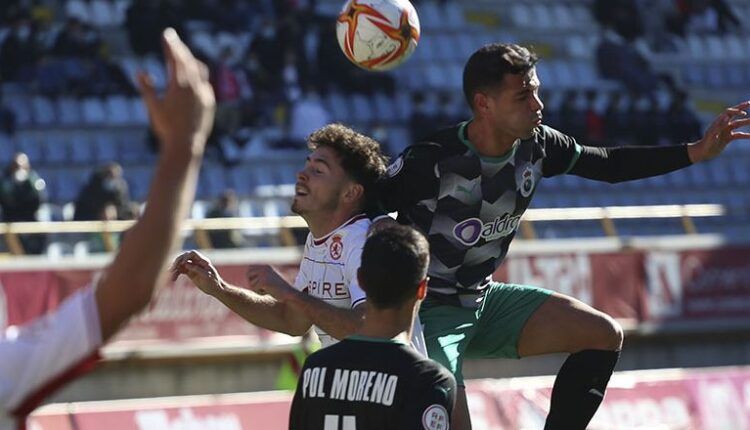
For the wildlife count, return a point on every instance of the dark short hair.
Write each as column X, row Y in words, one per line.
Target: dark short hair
column 394, row 262
column 488, row 66
column 361, row 156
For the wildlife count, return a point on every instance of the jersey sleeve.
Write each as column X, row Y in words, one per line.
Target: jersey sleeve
column 561, row 152
column 411, row 177
column 36, row 353
column 431, row 401
column 353, row 261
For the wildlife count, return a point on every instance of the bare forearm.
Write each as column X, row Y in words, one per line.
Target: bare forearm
column 337, row 322
column 263, row 311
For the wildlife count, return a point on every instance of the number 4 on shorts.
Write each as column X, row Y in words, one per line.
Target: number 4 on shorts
column 332, row 422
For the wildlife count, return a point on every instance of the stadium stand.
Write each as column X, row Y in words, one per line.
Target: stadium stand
column 92, row 115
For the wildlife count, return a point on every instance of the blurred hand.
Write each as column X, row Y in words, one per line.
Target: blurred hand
column 721, row 132
column 266, row 280
column 199, row 269
column 184, row 115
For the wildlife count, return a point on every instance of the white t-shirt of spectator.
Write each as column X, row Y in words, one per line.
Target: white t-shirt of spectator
column 328, row 271
column 42, row 353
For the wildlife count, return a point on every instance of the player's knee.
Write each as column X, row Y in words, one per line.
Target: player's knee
column 611, row 334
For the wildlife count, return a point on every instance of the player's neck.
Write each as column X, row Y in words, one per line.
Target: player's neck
column 387, row 324
column 323, row 224
column 487, row 141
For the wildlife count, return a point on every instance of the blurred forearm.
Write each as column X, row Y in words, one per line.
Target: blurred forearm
column 140, row 265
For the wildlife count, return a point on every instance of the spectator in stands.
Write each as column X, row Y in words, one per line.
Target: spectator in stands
column 618, row 59
column 7, row 119
column 225, row 207
column 684, row 123
column 107, row 186
column 22, row 191
column 231, row 87
column 19, row 51
column 706, row 16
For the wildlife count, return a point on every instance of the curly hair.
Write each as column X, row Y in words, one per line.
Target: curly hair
column 361, row 156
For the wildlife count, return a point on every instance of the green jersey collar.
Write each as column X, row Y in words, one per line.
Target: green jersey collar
column 463, row 136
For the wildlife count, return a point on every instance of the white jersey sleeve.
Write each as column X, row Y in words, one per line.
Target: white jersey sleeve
column 34, row 354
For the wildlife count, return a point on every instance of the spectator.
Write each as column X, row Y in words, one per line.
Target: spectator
column 107, row 186
column 685, row 125
column 22, row 191
column 230, row 87
column 225, row 207
column 7, row 120
column 18, row 52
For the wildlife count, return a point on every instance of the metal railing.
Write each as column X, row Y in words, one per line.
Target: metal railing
column 284, row 225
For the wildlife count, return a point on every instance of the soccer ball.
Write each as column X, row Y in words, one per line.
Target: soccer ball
column 378, row 34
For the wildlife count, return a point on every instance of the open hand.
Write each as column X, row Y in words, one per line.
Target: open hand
column 721, row 132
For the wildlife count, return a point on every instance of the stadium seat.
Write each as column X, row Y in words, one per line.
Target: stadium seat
column 68, row 110
column 118, row 110
column 43, row 111
column 339, row 107
column 248, row 208
column 241, row 180
column 429, row 15
column 77, row 9
column 94, row 112
column 106, row 147
column 521, row 15
column 57, row 149
column 362, row 111
column 385, row 109
column 542, row 16
column 101, row 13
column 453, row 16
column 138, row 111
column 29, row 145
column 7, row 149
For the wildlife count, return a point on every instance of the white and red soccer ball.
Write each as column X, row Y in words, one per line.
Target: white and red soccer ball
column 378, row 34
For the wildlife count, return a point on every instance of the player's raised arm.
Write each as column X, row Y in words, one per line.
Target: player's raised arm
column 262, row 310
column 181, row 119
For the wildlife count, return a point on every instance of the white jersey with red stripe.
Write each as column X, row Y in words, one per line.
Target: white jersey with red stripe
column 40, row 352
column 328, row 271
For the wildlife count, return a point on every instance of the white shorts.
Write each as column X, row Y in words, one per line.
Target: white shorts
column 39, row 352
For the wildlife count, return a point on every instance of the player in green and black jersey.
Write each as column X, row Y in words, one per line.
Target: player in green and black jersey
column 466, row 188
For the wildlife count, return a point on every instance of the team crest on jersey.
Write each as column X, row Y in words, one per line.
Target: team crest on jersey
column 435, row 417
column 395, row 167
column 528, row 181
column 337, row 247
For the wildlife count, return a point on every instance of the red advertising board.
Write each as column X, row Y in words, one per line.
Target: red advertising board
column 653, row 286
column 665, row 400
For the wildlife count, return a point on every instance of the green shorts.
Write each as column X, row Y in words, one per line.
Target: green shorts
column 491, row 331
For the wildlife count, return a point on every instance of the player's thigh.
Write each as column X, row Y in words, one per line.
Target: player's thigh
column 565, row 324
column 447, row 331
column 502, row 316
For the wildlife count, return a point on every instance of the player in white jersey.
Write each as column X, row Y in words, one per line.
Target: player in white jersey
column 331, row 195
column 42, row 355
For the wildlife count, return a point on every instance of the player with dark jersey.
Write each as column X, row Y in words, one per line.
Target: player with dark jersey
column 466, row 188
column 374, row 379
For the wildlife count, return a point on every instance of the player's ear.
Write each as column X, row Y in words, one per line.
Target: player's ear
column 481, row 103
column 354, row 192
column 421, row 289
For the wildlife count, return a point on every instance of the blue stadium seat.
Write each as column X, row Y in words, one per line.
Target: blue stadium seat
column 105, row 146
column 82, row 150
column 139, row 178
column 43, row 111
column 93, row 111
column 68, row 111
column 57, row 149
column 241, row 180
column 30, row 145
column 362, row 111
column 384, row 107
column 118, row 110
column 7, row 149
column 102, row 13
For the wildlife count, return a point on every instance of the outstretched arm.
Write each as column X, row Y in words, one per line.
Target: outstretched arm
column 637, row 162
column 182, row 120
column 337, row 322
column 261, row 310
